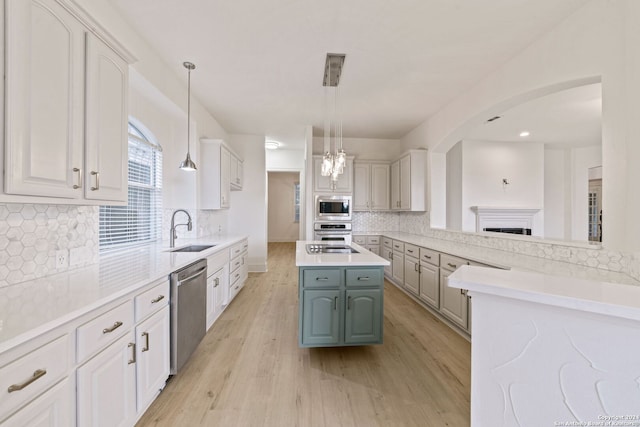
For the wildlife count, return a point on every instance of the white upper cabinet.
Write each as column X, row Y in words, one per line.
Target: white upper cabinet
column 371, row 186
column 323, row 184
column 106, row 155
column 66, row 107
column 44, row 116
column 409, row 182
column 220, row 167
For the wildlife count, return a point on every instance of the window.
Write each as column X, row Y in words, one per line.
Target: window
column 296, row 202
column 141, row 220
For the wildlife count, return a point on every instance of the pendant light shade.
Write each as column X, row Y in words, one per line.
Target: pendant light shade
column 187, row 164
column 334, row 158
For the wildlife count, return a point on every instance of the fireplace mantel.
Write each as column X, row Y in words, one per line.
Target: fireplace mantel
column 505, row 217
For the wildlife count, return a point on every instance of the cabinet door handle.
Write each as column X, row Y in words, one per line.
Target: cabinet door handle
column 217, row 282
column 39, row 373
column 113, row 328
column 133, row 355
column 363, row 278
column 79, row 184
column 349, row 302
column 335, row 303
column 419, row 268
column 146, row 341
column 322, row 279
column 452, row 265
column 97, row 175
column 415, row 266
column 390, row 255
column 155, row 300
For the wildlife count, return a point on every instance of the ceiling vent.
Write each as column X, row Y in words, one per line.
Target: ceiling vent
column 333, row 69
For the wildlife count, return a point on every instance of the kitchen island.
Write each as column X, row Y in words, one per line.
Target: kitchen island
column 341, row 295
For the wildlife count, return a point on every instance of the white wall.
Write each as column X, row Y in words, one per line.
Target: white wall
column 248, row 214
column 555, row 194
column 454, row 187
column 281, row 225
column 284, row 160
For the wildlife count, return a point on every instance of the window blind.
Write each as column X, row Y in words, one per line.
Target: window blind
column 141, row 220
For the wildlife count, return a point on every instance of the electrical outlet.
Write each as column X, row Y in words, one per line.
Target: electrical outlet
column 62, row 258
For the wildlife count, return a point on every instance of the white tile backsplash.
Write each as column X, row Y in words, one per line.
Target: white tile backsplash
column 30, row 236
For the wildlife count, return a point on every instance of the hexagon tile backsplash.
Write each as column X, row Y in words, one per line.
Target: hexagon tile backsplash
column 31, row 235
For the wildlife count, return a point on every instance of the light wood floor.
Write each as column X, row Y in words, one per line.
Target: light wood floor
column 249, row 371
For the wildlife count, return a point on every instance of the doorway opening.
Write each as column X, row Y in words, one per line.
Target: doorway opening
column 284, row 206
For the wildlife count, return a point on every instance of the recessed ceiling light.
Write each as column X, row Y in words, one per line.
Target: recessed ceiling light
column 271, row 145
column 525, row 133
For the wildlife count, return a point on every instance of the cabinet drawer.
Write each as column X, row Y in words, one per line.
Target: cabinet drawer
column 373, row 240
column 235, row 264
column 33, row 373
column 104, row 329
column 361, row 240
column 387, row 242
column 217, row 261
column 236, row 250
column 312, row 278
column 398, row 246
column 152, row 300
column 411, row 250
column 432, row 257
column 451, row 263
column 364, row 277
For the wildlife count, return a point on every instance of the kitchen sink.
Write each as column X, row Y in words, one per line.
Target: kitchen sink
column 192, row 248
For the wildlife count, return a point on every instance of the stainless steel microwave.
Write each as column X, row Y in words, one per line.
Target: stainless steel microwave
column 333, row 208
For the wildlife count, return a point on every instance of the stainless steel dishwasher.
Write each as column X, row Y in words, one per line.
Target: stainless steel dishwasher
column 188, row 311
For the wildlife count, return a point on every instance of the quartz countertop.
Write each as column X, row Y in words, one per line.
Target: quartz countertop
column 31, row 308
column 508, row 260
column 363, row 257
column 574, row 293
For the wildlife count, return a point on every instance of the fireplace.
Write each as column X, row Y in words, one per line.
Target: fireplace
column 512, row 220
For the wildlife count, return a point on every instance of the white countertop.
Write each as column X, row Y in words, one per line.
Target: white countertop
column 363, row 257
column 508, row 260
column 586, row 295
column 30, row 308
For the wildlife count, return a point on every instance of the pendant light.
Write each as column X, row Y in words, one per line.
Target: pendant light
column 187, row 164
column 333, row 162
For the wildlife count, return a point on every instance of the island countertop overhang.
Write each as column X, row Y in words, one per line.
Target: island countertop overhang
column 362, row 258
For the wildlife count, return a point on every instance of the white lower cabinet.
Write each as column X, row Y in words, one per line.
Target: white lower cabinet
column 216, row 294
column 430, row 284
column 411, row 275
column 107, row 386
column 152, row 357
column 453, row 301
column 238, row 268
column 53, row 408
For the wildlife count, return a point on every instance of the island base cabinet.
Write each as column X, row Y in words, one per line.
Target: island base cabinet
column 152, row 357
column 107, row 386
column 53, row 408
column 453, row 302
column 321, row 317
column 363, row 316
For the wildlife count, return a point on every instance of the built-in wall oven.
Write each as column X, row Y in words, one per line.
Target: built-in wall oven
column 339, row 232
column 333, row 207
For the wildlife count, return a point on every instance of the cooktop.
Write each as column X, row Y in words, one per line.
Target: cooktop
column 317, row 248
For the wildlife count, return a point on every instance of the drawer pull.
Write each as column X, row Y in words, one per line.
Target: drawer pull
column 113, row 328
column 155, row 300
column 427, row 256
column 36, row 375
column 363, row 278
column 452, row 265
column 322, row 279
column 133, row 354
column 146, row 341
column 410, row 251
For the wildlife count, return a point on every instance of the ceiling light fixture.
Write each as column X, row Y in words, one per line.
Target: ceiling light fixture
column 271, row 145
column 187, row 164
column 525, row 133
column 333, row 161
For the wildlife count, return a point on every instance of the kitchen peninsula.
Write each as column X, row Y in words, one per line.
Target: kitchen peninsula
column 341, row 291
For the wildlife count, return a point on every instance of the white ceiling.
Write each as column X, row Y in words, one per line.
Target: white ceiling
column 570, row 118
column 260, row 63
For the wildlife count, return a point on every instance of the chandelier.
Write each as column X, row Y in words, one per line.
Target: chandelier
column 334, row 158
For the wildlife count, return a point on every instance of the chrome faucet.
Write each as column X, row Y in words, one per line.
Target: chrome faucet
column 172, row 233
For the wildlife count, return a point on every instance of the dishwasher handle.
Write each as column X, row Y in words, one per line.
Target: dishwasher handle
column 196, row 274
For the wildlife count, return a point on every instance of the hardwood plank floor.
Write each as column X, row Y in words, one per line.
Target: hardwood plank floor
column 249, row 371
